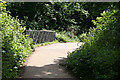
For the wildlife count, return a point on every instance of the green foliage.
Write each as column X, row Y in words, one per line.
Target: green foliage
column 15, row 45
column 99, row 57
column 65, row 16
column 66, row 37
column 41, row 15
column 82, row 36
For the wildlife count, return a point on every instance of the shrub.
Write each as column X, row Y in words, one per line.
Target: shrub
column 15, row 45
column 66, row 37
column 99, row 57
column 82, row 36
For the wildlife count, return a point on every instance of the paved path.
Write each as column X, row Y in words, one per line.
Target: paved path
column 43, row 62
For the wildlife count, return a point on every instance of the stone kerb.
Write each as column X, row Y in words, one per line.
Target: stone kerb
column 41, row 36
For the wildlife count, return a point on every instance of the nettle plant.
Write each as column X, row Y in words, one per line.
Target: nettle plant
column 99, row 57
column 15, row 45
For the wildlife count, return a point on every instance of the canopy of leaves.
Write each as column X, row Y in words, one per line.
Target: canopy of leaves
column 74, row 17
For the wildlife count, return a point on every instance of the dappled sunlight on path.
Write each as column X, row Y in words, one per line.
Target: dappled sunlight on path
column 43, row 63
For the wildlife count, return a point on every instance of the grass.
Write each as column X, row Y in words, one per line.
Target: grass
column 46, row 43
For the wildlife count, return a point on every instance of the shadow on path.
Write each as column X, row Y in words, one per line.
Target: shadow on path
column 48, row 62
column 48, row 71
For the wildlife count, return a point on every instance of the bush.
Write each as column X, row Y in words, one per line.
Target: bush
column 99, row 57
column 82, row 36
column 15, row 45
column 66, row 37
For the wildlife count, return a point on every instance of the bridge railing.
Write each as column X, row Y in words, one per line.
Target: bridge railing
column 41, row 36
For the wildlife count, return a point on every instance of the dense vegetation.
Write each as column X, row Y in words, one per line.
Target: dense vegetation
column 97, row 24
column 64, row 36
column 74, row 17
column 15, row 45
column 99, row 58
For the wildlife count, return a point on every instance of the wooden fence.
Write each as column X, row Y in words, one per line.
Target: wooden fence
column 41, row 36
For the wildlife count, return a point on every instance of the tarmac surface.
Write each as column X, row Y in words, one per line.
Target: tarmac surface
column 44, row 62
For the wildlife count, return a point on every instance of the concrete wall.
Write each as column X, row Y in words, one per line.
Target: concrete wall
column 40, row 36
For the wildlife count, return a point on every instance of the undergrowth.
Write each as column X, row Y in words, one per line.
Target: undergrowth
column 99, row 58
column 46, row 43
column 66, row 37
